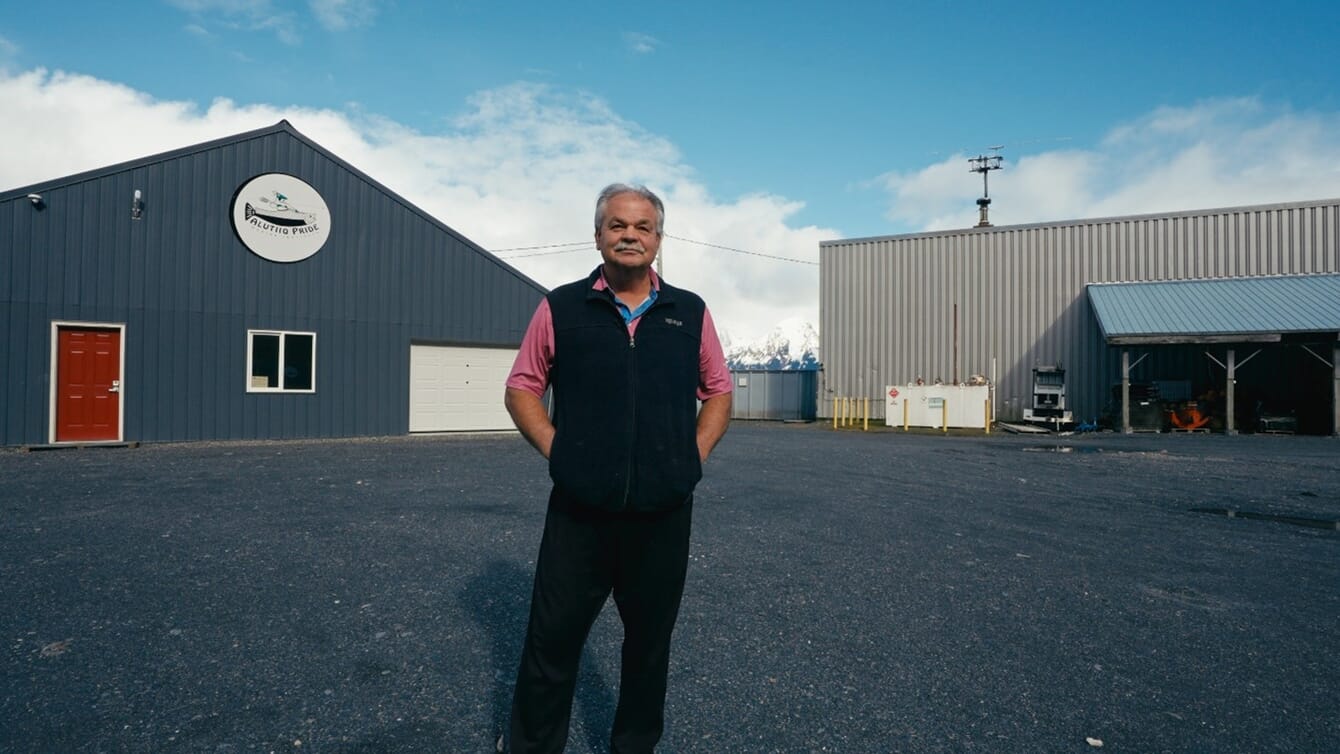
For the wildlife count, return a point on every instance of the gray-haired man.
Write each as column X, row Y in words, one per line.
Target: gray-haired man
column 628, row 357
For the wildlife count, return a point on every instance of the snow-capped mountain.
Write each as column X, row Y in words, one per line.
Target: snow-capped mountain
column 793, row 344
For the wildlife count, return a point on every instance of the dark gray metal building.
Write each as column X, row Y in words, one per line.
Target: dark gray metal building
column 1000, row 301
column 257, row 286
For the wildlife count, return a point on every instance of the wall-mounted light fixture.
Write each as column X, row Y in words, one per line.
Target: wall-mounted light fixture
column 136, row 206
column 36, row 200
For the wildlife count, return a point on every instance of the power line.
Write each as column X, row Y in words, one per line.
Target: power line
column 586, row 246
column 542, row 246
column 740, row 251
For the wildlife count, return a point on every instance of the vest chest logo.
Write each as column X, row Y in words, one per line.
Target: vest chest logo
column 673, row 321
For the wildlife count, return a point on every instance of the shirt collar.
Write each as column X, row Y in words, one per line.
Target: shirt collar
column 600, row 284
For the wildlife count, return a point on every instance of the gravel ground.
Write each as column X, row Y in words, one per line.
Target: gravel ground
column 848, row 592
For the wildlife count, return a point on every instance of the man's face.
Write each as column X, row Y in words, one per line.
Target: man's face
column 627, row 236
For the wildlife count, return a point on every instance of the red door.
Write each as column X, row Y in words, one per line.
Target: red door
column 88, row 384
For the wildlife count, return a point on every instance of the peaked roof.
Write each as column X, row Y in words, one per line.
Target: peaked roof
column 283, row 126
column 1220, row 310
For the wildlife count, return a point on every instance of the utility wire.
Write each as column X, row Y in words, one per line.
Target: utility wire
column 542, row 246
column 586, row 246
column 742, row 251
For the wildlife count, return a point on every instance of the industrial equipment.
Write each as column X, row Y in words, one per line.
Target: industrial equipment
column 1049, row 405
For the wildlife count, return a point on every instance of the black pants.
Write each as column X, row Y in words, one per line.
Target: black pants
column 585, row 555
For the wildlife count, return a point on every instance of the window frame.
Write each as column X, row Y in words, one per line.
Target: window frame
column 283, row 342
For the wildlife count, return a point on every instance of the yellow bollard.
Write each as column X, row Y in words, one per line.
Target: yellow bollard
column 988, row 416
column 944, row 416
column 866, row 428
column 904, row 414
column 835, row 402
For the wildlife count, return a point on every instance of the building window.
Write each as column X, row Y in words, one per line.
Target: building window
column 281, row 362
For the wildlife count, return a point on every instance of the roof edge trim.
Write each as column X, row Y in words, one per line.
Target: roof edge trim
column 1079, row 222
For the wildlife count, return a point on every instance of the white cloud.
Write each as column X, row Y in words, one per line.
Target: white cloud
column 248, row 15
column 339, row 15
column 7, row 49
column 640, row 43
column 1217, row 153
column 521, row 166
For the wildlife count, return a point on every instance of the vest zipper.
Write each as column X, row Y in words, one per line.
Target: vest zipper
column 632, row 404
column 632, row 420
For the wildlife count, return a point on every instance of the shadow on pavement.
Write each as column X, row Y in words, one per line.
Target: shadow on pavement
column 498, row 597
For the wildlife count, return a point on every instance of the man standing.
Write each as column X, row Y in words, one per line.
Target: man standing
column 628, row 356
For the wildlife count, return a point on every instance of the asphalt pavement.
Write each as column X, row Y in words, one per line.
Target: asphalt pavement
column 847, row 592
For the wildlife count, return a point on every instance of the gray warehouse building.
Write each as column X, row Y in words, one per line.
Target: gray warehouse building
column 1240, row 303
column 253, row 287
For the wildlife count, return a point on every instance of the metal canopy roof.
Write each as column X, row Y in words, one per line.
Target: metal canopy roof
column 1217, row 311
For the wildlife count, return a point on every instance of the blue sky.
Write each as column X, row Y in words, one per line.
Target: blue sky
column 767, row 126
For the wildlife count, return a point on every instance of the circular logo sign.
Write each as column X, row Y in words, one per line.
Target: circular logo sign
column 280, row 217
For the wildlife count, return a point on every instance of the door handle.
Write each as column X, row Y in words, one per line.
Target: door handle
column 116, row 387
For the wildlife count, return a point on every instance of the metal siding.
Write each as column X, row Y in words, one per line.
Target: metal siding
column 188, row 291
column 1033, row 278
column 1191, row 307
column 10, row 422
column 29, row 346
column 61, row 248
column 26, row 269
column 151, row 374
column 9, row 217
column 774, row 395
column 14, row 329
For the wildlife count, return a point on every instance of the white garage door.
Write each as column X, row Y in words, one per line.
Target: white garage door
column 458, row 389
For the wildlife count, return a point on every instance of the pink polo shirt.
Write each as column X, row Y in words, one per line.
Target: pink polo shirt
column 530, row 371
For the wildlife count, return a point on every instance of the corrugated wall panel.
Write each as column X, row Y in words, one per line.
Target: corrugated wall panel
column 188, row 291
column 8, row 331
column 780, row 395
column 1023, row 286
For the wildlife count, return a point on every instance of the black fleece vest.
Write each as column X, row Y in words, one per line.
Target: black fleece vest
column 625, row 407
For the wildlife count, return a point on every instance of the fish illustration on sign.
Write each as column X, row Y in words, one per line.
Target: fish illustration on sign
column 280, row 217
column 277, row 212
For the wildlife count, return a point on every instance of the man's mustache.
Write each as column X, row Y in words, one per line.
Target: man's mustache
column 624, row 246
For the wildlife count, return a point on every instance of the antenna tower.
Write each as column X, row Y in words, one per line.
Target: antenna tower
column 984, row 164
